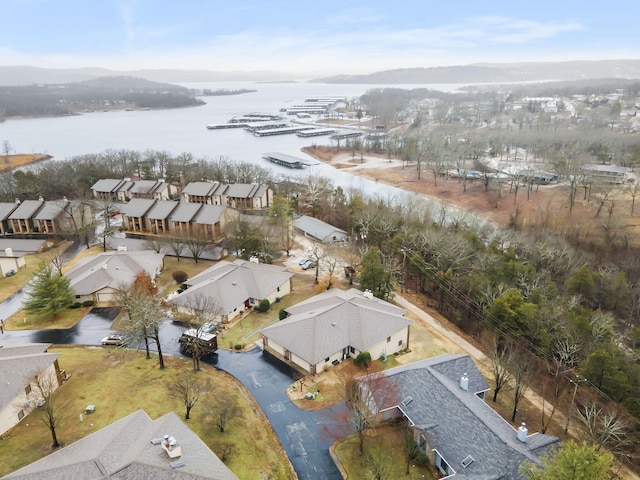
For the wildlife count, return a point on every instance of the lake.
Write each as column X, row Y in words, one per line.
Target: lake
column 184, row 130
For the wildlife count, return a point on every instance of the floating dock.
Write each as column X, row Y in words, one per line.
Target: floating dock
column 316, row 132
column 219, row 126
column 340, row 136
column 280, row 131
column 265, row 126
column 288, row 161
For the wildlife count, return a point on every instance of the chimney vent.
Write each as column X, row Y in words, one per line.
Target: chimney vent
column 104, row 266
column 40, row 198
column 17, row 201
column 522, row 433
column 368, row 294
column 464, row 382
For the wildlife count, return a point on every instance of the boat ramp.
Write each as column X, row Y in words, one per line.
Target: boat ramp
column 285, row 160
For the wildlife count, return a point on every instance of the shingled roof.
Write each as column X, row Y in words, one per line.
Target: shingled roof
column 19, row 364
column 111, row 269
column 326, row 323
column 228, row 284
column 458, row 423
column 124, row 450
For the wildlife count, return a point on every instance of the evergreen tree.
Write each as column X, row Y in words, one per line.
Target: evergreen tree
column 571, row 461
column 50, row 293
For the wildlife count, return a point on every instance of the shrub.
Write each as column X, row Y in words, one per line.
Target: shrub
column 238, row 346
column 265, row 305
column 75, row 305
column 282, row 314
column 180, row 276
column 88, row 303
column 362, row 360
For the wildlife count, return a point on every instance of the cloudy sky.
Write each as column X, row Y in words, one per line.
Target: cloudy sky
column 311, row 37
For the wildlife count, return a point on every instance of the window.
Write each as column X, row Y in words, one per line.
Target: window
column 352, row 350
column 388, row 339
column 20, row 414
column 27, row 389
column 400, row 343
column 326, row 359
column 278, row 289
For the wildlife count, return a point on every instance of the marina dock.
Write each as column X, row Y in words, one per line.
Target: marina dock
column 288, row 161
column 316, row 132
column 219, row 126
column 281, row 131
column 342, row 135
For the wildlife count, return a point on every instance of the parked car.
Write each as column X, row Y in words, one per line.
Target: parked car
column 309, row 264
column 303, row 261
column 115, row 340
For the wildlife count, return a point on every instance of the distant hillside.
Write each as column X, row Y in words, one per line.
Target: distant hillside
column 25, row 75
column 105, row 93
column 495, row 73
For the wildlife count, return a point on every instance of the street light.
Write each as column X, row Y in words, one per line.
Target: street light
column 573, row 398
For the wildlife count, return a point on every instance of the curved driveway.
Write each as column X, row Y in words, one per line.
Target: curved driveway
column 265, row 377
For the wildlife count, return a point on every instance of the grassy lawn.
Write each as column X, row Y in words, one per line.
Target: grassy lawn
column 243, row 332
column 389, row 438
column 100, row 376
column 65, row 319
column 10, row 285
column 166, row 283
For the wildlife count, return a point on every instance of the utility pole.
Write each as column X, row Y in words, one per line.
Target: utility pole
column 573, row 398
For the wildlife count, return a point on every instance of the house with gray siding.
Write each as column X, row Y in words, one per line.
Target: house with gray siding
column 319, row 230
column 103, row 277
column 443, row 400
column 19, row 365
column 335, row 325
column 231, row 288
column 133, row 447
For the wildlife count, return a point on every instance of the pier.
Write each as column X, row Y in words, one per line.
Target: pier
column 316, row 132
column 288, row 161
column 342, row 135
column 280, row 131
column 219, row 126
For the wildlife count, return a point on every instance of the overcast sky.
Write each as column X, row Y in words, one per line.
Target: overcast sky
column 312, row 37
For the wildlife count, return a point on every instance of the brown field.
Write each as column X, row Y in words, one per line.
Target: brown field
column 9, row 162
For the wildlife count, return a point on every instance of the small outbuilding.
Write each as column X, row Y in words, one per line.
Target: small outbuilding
column 319, row 230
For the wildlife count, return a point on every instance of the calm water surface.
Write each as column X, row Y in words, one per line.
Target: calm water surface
column 184, row 130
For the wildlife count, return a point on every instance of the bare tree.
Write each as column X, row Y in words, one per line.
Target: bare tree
column 145, row 316
column 523, row 370
column 188, row 389
column 196, row 243
column 605, row 427
column 6, row 149
column 363, row 396
column 223, row 411
column 205, row 312
column 154, row 243
column 501, row 357
column 177, row 244
column 54, row 407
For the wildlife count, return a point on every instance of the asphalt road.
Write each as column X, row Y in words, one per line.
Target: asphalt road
column 300, row 432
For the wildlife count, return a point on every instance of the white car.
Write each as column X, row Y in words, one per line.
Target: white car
column 116, row 340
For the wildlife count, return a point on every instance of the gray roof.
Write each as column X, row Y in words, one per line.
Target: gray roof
column 185, row 212
column 107, row 185
column 26, row 210
column 228, row 284
column 144, row 187
column 21, row 246
column 112, row 269
column 161, row 209
column 330, row 321
column 316, row 228
column 51, row 209
column 6, row 208
column 244, row 190
column 458, row 423
column 210, row 214
column 204, row 189
column 18, row 366
column 123, row 450
column 137, row 207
